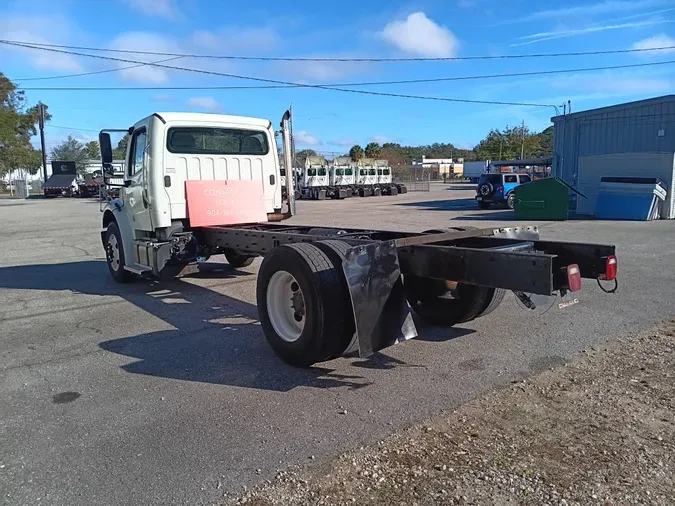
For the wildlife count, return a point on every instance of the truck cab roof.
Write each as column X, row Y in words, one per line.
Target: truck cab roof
column 200, row 117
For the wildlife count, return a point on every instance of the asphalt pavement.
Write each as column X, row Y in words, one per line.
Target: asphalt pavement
column 167, row 393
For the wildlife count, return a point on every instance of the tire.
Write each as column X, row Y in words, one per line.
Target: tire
column 425, row 298
column 483, row 205
column 237, row 260
column 320, row 326
column 492, row 302
column 336, row 251
column 114, row 254
column 486, row 189
column 511, row 200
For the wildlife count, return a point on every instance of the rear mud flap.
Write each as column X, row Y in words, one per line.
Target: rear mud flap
column 381, row 312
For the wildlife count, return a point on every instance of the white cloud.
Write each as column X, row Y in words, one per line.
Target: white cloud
column 34, row 30
column 144, row 41
column 304, row 138
column 661, row 40
column 565, row 33
column 419, row 35
column 238, row 39
column 162, row 8
column 380, row 139
column 206, row 103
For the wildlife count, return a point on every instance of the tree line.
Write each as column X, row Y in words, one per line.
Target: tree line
column 510, row 143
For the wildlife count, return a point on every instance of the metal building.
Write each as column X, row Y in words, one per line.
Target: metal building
column 636, row 139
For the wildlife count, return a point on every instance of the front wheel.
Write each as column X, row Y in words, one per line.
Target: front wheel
column 238, row 260
column 511, row 201
column 114, row 254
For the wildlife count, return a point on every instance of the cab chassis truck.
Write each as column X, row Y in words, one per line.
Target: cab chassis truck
column 326, row 292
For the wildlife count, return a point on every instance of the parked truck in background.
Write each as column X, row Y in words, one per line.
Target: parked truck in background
column 473, row 170
column 198, row 185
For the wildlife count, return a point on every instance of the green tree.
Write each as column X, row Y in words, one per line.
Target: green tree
column 17, row 126
column 72, row 150
column 356, row 153
column 120, row 152
column 93, row 151
column 512, row 143
column 301, row 156
column 373, row 150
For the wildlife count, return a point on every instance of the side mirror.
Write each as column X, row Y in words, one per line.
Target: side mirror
column 106, row 148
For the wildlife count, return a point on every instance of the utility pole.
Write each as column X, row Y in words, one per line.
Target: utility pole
column 501, row 141
column 41, row 120
column 522, row 145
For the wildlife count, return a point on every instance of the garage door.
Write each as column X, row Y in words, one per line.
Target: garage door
column 592, row 168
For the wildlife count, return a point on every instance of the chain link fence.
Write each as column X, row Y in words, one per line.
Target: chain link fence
column 415, row 180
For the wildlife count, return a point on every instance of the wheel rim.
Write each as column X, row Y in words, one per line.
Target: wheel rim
column 113, row 253
column 286, row 306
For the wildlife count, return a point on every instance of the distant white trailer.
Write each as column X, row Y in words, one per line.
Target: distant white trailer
column 473, row 170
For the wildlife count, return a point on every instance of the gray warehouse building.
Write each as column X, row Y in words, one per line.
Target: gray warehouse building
column 636, row 139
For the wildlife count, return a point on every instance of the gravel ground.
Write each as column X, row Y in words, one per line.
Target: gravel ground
column 599, row 430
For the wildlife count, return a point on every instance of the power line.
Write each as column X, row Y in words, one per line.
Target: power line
column 332, row 59
column 72, row 128
column 287, row 83
column 95, row 72
column 371, row 83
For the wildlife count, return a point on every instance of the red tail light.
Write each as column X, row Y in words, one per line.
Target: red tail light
column 573, row 278
column 499, row 189
column 610, row 269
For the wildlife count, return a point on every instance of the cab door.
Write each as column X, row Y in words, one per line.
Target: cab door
column 136, row 179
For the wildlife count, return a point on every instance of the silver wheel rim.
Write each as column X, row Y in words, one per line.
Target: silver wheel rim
column 286, row 306
column 113, row 252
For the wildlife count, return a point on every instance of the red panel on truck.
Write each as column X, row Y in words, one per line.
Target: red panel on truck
column 231, row 202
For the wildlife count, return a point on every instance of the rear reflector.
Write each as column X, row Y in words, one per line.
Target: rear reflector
column 610, row 269
column 573, row 278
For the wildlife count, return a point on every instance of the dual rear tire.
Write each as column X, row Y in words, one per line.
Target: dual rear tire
column 303, row 303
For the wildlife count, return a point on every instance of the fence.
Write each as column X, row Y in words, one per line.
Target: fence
column 417, row 180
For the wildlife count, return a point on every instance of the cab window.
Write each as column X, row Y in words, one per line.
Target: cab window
column 371, row 172
column 511, row 178
column 339, row 172
column 322, row 171
column 311, row 172
column 138, row 143
column 524, row 178
column 349, row 172
column 386, row 172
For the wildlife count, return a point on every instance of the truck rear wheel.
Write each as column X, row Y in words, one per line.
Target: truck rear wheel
column 237, row 260
column 301, row 304
column 336, row 251
column 429, row 299
column 114, row 254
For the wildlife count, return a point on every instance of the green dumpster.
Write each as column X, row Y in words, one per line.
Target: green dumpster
column 544, row 199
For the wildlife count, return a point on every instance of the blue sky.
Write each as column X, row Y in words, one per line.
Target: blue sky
column 333, row 121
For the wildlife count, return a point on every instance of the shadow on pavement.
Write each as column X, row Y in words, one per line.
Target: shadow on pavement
column 465, row 204
column 201, row 346
column 488, row 215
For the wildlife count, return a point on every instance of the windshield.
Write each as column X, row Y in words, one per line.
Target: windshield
column 216, row 141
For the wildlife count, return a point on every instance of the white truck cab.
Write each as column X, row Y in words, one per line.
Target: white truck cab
column 315, row 173
column 367, row 172
column 342, row 172
column 167, row 149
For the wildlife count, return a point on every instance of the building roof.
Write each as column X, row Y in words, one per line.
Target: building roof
column 616, row 107
column 213, row 118
column 60, row 181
